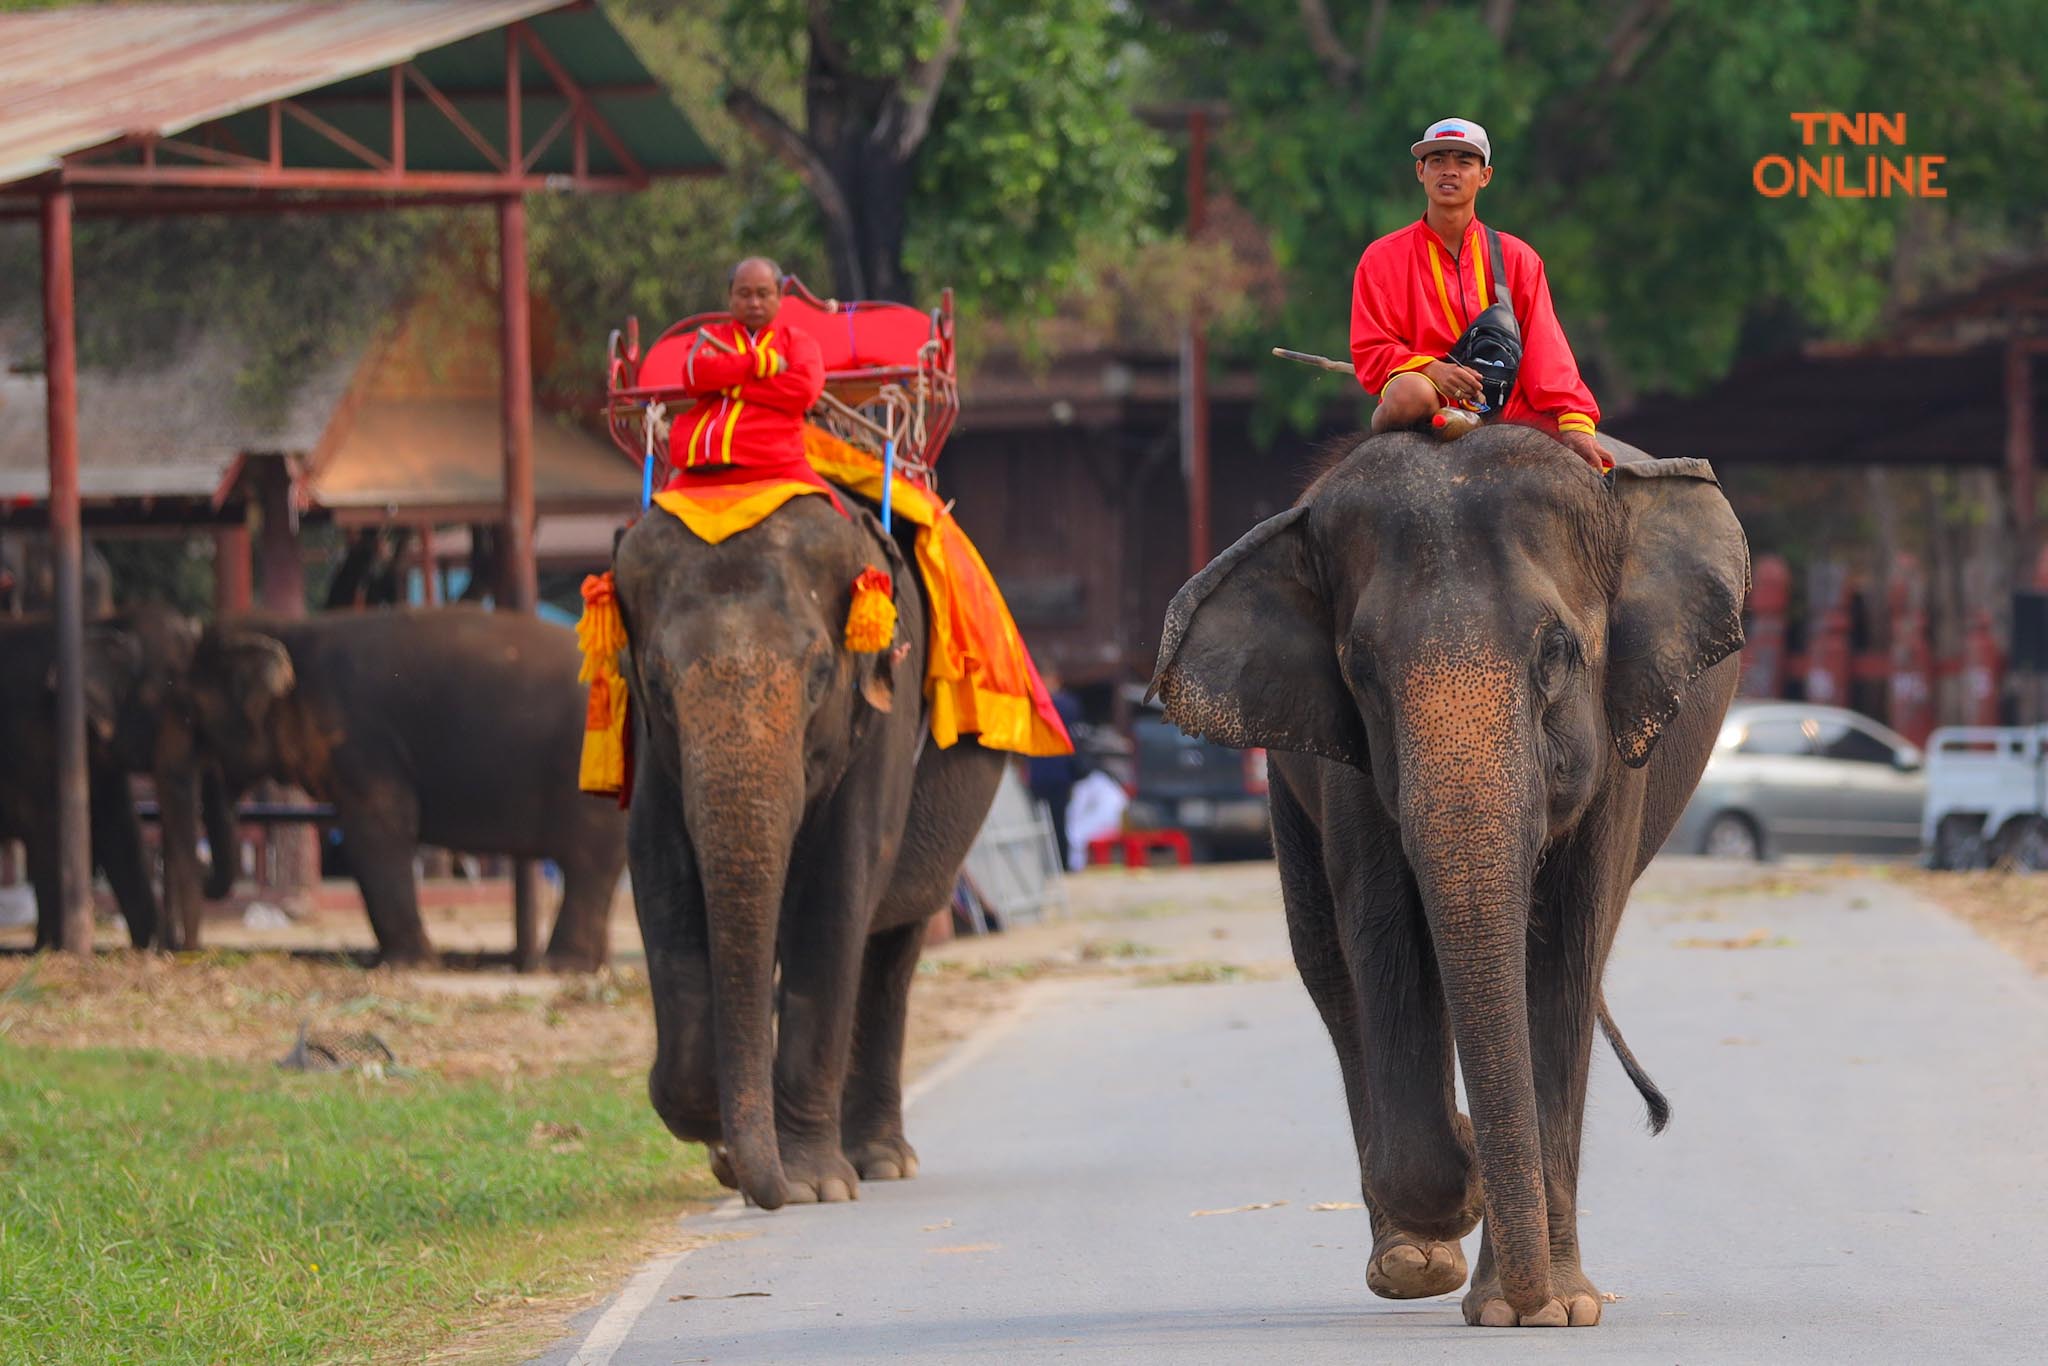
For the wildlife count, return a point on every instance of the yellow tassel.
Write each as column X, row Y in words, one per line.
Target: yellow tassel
column 601, row 633
column 871, row 621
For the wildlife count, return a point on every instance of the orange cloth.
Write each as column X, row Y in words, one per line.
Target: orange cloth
column 1411, row 300
column 979, row 678
column 751, row 399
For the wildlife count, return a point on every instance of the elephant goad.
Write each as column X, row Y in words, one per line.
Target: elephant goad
column 135, row 669
column 446, row 726
column 787, row 818
column 1490, row 679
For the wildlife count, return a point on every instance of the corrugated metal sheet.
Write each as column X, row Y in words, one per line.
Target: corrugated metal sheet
column 77, row 78
column 414, row 453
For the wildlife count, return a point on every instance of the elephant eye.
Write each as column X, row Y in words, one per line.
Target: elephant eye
column 1559, row 654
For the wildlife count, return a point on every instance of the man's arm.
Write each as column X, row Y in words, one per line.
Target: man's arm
column 1549, row 378
column 788, row 374
column 1379, row 346
column 712, row 366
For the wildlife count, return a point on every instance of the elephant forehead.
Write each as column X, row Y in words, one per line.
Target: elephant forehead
column 1460, row 708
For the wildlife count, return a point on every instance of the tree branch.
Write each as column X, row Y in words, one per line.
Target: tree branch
column 1375, row 30
column 1499, row 17
column 794, row 150
column 908, row 118
column 1638, row 26
column 1323, row 41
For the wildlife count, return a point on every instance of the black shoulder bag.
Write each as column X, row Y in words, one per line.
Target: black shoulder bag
column 1492, row 346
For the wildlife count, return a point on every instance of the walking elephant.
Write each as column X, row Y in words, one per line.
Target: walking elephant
column 447, row 726
column 135, row 667
column 787, row 818
column 1490, row 679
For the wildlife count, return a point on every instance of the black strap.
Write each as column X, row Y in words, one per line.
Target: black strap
column 1501, row 293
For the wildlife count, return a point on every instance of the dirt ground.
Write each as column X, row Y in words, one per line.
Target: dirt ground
column 245, row 998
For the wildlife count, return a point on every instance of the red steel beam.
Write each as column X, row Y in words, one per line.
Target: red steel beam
column 398, row 117
column 382, row 182
column 454, row 116
column 516, row 354
column 581, row 102
column 60, row 360
column 337, row 137
column 2019, row 447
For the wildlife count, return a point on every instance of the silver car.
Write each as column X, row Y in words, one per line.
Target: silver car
column 1792, row 778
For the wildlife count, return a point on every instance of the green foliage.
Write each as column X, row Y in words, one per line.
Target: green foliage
column 168, row 1210
column 1625, row 156
column 174, row 570
column 1034, row 155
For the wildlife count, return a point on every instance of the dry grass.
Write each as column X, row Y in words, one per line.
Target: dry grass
column 2009, row 909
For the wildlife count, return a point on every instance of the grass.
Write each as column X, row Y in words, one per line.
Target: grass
column 174, row 1210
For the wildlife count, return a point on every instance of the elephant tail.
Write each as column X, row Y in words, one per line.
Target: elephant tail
column 1653, row 1099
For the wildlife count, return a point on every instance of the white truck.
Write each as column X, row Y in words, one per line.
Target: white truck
column 1987, row 797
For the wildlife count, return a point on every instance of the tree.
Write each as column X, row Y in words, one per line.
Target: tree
column 985, row 143
column 1625, row 133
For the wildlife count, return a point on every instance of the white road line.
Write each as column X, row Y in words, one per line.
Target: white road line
column 609, row 1332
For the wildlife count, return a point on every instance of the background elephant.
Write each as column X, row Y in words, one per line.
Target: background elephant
column 135, row 668
column 446, row 726
column 1496, row 677
column 787, row 814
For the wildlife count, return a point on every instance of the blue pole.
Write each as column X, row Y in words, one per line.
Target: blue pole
column 888, row 481
column 647, row 482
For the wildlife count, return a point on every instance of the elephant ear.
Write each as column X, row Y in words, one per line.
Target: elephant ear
column 256, row 669
column 1248, row 655
column 113, row 666
column 1678, row 609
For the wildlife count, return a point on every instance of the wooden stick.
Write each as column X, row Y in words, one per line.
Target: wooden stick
column 1341, row 367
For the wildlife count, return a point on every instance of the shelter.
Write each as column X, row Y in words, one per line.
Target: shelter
column 304, row 107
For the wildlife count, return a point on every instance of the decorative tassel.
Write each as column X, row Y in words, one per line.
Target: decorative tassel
column 871, row 621
column 601, row 633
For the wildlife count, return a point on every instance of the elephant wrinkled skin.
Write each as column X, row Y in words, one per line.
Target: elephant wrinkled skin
column 1490, row 679
column 791, row 833
column 446, row 726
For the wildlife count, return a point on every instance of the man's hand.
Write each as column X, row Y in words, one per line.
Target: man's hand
column 1587, row 447
column 1455, row 381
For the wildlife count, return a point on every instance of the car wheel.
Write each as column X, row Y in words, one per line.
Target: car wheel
column 1732, row 835
column 2023, row 844
column 1959, row 843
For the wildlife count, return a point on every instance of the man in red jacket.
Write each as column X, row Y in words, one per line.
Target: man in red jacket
column 753, row 383
column 1418, row 289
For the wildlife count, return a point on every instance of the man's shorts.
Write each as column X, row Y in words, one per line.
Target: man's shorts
column 1468, row 405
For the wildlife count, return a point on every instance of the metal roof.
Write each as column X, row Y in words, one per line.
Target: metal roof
column 84, row 77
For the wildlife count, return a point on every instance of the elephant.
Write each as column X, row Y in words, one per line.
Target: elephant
column 135, row 667
column 1489, row 679
column 447, row 726
column 791, row 831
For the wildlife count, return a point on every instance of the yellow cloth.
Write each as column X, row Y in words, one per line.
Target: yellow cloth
column 979, row 679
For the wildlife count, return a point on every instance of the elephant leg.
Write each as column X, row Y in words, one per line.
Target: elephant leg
column 871, row 1118
column 668, row 900
column 582, row 938
column 44, row 878
column 823, row 941
column 380, row 830
column 117, row 849
column 1576, row 915
column 1415, row 1220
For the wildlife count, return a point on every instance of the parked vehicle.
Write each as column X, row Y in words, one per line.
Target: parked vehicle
column 1795, row 778
column 1216, row 794
column 1987, row 796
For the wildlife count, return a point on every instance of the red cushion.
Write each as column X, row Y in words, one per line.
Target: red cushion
column 860, row 336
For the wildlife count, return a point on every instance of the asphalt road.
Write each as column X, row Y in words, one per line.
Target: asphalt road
column 1857, row 1171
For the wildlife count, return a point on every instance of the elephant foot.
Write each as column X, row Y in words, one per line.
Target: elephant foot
column 818, row 1174
column 1573, row 1303
column 883, row 1159
column 1408, row 1267
column 721, row 1166
column 573, row 961
column 422, row 956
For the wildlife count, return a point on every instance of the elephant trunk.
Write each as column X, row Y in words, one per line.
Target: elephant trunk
column 743, row 793
column 223, row 839
column 1472, row 823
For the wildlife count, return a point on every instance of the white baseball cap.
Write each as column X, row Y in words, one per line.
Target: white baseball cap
column 1454, row 133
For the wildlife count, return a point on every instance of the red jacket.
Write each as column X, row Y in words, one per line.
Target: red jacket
column 1412, row 299
column 750, row 402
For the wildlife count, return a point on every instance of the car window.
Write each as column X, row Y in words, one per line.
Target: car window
column 1776, row 737
column 1854, row 744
